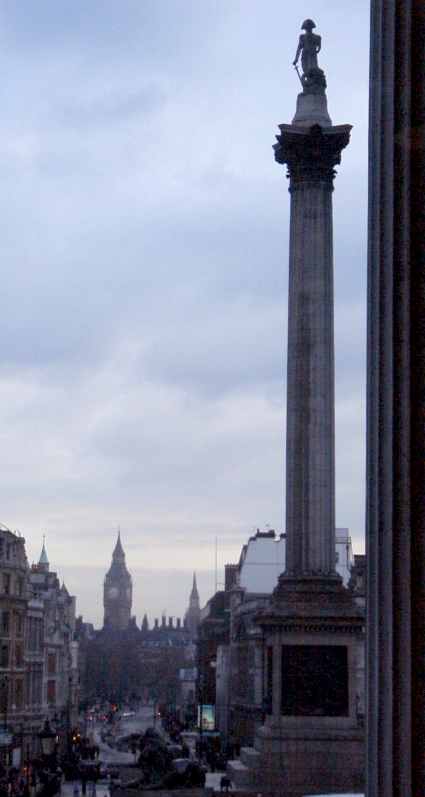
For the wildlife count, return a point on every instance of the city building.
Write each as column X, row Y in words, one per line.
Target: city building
column 263, row 559
column 60, row 683
column 124, row 663
column 14, row 595
column 38, row 652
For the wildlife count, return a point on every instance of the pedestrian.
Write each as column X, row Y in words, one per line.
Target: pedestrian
column 76, row 790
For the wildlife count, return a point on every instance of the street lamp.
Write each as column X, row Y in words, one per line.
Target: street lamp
column 47, row 738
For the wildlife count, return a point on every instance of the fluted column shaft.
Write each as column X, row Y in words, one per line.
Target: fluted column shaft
column 310, row 154
column 310, row 435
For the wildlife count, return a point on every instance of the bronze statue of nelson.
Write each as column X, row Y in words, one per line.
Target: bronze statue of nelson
column 309, row 46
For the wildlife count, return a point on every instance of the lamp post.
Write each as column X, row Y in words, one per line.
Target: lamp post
column 47, row 738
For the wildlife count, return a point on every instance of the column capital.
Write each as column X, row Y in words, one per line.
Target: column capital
column 311, row 153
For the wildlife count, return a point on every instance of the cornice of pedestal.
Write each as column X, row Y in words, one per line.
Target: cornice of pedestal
column 311, row 153
column 313, row 604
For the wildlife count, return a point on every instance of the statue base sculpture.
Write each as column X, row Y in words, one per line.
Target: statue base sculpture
column 312, row 109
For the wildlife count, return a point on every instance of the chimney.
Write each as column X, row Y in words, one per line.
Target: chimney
column 170, row 622
column 164, row 621
column 156, row 622
column 179, row 622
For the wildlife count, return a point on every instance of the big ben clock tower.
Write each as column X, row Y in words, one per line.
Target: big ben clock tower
column 117, row 591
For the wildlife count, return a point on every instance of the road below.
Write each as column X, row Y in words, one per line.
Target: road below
column 137, row 724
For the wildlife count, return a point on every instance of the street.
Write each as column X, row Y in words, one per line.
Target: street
column 139, row 723
column 108, row 755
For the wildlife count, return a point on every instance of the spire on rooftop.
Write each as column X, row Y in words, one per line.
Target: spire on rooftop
column 43, row 561
column 195, row 593
column 118, row 550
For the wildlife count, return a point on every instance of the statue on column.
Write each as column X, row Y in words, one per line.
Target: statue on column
column 313, row 78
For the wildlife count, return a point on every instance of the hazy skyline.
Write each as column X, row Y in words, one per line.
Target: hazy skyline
column 145, row 254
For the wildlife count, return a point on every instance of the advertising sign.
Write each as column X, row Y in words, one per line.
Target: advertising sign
column 208, row 717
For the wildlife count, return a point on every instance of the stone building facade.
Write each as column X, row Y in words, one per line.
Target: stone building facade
column 60, row 692
column 37, row 646
column 13, row 611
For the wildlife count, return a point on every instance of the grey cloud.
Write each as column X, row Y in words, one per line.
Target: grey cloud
column 144, row 271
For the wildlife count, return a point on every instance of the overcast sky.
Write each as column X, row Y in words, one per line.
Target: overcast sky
column 144, row 238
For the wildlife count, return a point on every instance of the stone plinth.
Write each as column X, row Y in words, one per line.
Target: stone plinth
column 313, row 739
column 312, row 109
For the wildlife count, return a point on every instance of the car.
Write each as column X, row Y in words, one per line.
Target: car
column 181, row 764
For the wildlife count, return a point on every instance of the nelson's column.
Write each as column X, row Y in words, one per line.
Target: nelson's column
column 312, row 740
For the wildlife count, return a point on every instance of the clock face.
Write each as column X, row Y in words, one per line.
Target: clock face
column 113, row 592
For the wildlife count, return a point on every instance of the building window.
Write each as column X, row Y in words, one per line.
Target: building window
column 336, row 557
column 268, row 704
column 38, row 688
column 4, row 654
column 51, row 692
column 19, row 624
column 51, row 663
column 5, row 622
column 19, row 693
column 18, row 655
column 4, row 694
column 20, row 587
column 6, row 583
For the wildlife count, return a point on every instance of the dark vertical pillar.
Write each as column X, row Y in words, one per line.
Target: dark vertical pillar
column 396, row 402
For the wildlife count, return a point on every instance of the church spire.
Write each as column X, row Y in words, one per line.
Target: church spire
column 194, row 593
column 43, row 561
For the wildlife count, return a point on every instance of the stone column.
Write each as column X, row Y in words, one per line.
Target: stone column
column 396, row 402
column 311, row 154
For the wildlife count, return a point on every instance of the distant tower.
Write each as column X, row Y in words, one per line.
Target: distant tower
column 193, row 614
column 145, row 624
column 117, row 591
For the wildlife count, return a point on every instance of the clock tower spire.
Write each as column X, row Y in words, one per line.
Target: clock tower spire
column 117, row 591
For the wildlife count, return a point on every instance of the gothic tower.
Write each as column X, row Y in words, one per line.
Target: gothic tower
column 117, row 591
column 193, row 614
